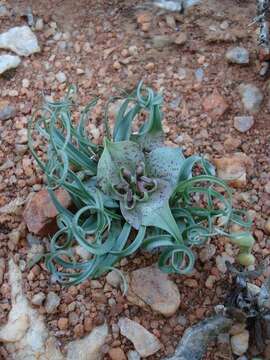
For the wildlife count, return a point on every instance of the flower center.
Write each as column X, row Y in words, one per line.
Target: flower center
column 134, row 187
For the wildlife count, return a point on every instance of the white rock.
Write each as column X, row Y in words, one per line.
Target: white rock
column 8, row 62
column 21, row 40
column 25, row 335
column 38, row 298
column 239, row 343
column 133, row 355
column 25, row 83
column 61, row 77
column 88, row 348
column 15, row 329
column 237, row 55
column 52, row 302
column 252, row 97
column 39, row 24
column 243, row 123
column 145, row 343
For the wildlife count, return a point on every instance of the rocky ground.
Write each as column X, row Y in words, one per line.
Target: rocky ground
column 205, row 62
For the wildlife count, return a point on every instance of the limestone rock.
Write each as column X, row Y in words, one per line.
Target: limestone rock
column 20, row 40
column 15, row 329
column 89, row 347
column 243, row 123
column 61, row 77
column 25, row 335
column 237, row 55
column 8, row 62
column 151, row 287
column 38, row 299
column 52, row 302
column 145, row 343
column 251, row 96
column 133, row 355
column 40, row 212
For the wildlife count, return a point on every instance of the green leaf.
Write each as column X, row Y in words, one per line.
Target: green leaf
column 144, row 212
column 165, row 163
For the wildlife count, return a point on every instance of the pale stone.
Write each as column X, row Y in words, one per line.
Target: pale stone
column 149, row 287
column 20, row 40
column 8, row 62
column 88, row 348
column 113, row 278
column 243, row 123
column 237, row 55
column 52, row 302
column 251, row 96
column 233, row 169
column 145, row 343
column 25, row 334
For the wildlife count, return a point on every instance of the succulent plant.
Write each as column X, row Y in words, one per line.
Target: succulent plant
column 131, row 192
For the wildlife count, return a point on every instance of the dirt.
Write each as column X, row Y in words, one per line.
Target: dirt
column 98, row 36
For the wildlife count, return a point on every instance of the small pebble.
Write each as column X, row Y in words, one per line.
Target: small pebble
column 7, row 110
column 62, row 323
column 39, row 24
column 52, row 302
column 237, row 55
column 117, row 354
column 133, row 355
column 243, row 123
column 38, row 298
column 61, row 77
column 113, row 278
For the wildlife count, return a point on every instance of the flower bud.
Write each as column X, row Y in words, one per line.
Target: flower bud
column 246, row 259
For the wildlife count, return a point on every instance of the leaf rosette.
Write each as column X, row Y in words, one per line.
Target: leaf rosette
column 131, row 192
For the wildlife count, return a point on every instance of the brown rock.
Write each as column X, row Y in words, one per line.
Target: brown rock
column 117, row 354
column 267, row 226
column 151, row 287
column 233, row 169
column 40, row 212
column 232, row 143
column 78, row 330
column 181, row 39
column 215, row 105
column 88, row 324
column 62, row 323
column 264, row 54
column 144, row 17
column 144, row 20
